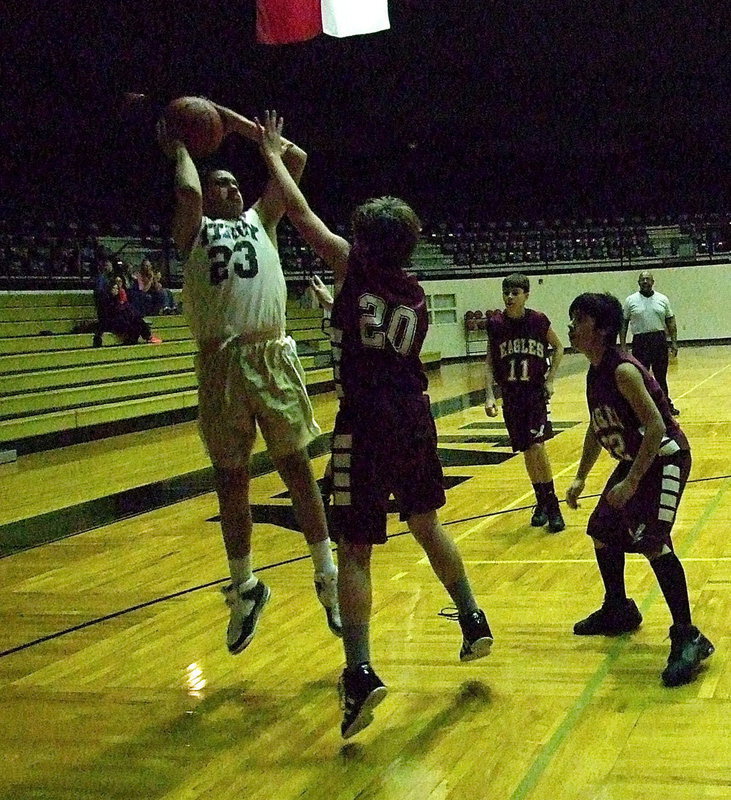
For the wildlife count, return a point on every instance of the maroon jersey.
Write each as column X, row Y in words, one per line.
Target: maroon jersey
column 379, row 321
column 519, row 348
column 613, row 420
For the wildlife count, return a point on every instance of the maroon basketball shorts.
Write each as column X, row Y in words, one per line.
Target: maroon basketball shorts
column 525, row 411
column 388, row 447
column 645, row 523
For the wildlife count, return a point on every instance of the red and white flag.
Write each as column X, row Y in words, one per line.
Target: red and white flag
column 285, row 21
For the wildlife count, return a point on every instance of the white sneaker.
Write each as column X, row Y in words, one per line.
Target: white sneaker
column 246, row 608
column 326, row 587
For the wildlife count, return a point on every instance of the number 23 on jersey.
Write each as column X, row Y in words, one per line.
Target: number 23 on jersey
column 242, row 257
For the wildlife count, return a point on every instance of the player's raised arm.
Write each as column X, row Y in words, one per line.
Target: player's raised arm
column 270, row 205
column 188, row 211
column 333, row 249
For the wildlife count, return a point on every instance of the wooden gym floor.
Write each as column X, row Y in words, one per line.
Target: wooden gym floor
column 115, row 681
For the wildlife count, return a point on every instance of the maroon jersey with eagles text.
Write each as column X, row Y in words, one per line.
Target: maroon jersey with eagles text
column 378, row 324
column 613, row 420
column 519, row 348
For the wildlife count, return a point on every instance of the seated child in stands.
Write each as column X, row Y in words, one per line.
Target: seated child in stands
column 145, row 293
column 168, row 301
column 115, row 314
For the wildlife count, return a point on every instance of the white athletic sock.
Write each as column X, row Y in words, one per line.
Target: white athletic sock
column 241, row 574
column 322, row 558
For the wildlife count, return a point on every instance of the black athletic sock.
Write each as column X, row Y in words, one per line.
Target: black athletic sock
column 671, row 577
column 356, row 641
column 611, row 567
column 462, row 597
column 546, row 496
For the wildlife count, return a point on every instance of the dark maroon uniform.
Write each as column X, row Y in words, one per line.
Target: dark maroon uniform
column 645, row 523
column 384, row 440
column 519, row 350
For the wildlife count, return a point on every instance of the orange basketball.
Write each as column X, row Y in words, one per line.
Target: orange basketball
column 197, row 123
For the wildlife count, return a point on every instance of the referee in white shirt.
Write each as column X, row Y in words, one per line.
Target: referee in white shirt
column 651, row 318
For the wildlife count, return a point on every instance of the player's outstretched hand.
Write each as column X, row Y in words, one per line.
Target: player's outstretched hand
column 270, row 134
column 574, row 492
column 321, row 291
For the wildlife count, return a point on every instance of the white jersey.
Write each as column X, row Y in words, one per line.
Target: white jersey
column 647, row 314
column 233, row 283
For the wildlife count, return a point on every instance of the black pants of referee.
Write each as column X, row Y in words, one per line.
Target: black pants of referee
column 651, row 350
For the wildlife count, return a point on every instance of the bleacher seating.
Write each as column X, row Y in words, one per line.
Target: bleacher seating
column 477, row 244
column 711, row 234
column 52, row 255
column 56, row 388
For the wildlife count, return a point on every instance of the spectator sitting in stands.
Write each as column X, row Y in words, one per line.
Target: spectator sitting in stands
column 145, row 293
column 124, row 271
column 169, row 305
column 119, row 293
column 114, row 313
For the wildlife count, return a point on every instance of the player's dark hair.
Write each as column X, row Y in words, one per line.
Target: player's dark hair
column 387, row 229
column 604, row 309
column 516, row 281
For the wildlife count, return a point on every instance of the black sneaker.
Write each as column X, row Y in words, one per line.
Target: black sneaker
column 361, row 690
column 476, row 636
column 246, row 608
column 555, row 521
column 610, row 620
column 674, row 411
column 688, row 647
column 539, row 518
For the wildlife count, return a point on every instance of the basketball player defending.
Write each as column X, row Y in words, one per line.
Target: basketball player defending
column 630, row 417
column 517, row 348
column 248, row 371
column 384, row 439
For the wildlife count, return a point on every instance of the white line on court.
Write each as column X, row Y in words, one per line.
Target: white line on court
column 705, row 380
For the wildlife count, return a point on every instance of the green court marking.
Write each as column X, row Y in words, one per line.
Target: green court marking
column 544, row 758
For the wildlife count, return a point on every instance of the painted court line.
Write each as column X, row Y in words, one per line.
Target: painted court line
column 517, row 502
column 705, row 380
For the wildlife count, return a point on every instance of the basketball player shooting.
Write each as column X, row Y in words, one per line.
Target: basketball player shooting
column 248, row 371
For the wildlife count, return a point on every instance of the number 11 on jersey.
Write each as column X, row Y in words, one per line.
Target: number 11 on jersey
column 522, row 369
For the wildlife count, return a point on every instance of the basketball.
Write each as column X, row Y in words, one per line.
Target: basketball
column 197, row 123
